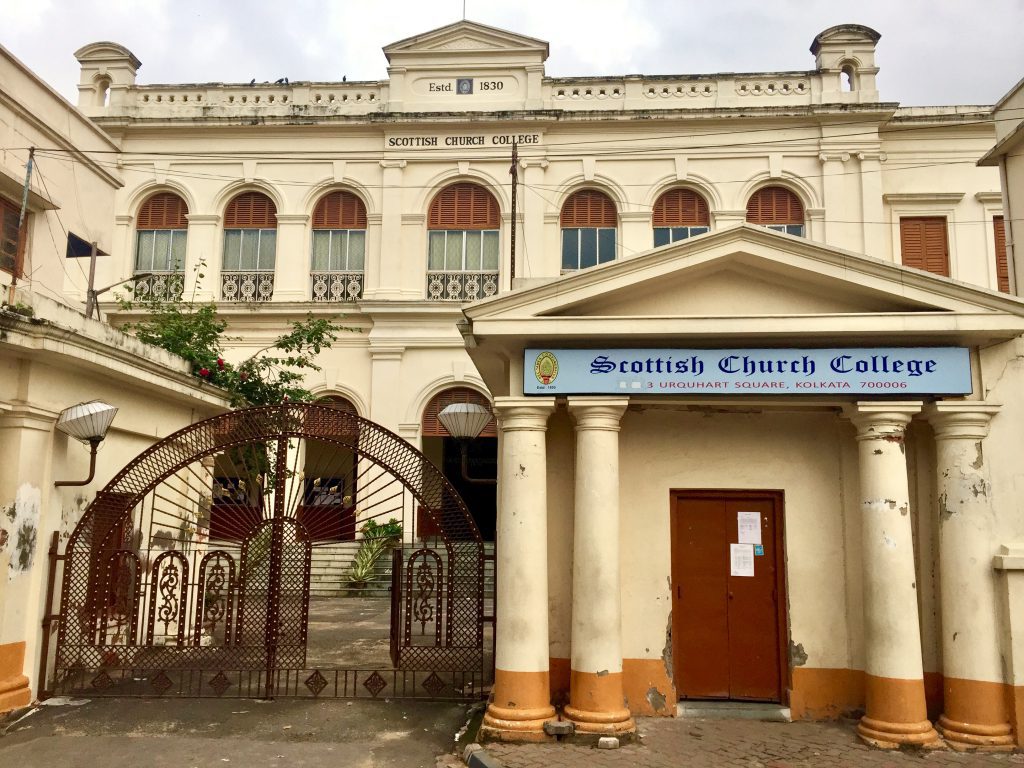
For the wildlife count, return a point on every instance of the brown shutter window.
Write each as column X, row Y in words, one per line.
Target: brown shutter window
column 923, row 244
column 776, row 206
column 1002, row 267
column 681, row 208
column 589, row 208
column 431, row 426
column 9, row 217
column 464, row 206
column 339, row 210
column 164, row 210
column 251, row 210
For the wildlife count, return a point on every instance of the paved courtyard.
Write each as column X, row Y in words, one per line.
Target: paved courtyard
column 672, row 743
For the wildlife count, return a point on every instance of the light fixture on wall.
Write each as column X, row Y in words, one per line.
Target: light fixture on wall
column 465, row 422
column 88, row 423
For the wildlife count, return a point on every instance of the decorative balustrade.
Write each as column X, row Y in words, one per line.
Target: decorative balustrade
column 336, row 286
column 246, row 286
column 461, row 286
column 160, row 286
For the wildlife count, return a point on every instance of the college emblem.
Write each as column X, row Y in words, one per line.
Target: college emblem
column 546, row 368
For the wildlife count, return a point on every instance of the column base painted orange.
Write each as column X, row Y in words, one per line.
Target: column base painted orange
column 14, row 686
column 896, row 714
column 976, row 716
column 520, row 707
column 1016, row 694
column 597, row 705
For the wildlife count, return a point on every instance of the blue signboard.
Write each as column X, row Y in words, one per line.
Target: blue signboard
column 850, row 371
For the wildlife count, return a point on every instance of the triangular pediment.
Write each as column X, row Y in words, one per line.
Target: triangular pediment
column 718, row 281
column 467, row 36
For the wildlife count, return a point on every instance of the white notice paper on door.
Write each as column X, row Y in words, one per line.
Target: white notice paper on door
column 749, row 527
column 741, row 559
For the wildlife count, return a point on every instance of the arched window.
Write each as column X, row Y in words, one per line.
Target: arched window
column 339, row 247
column 463, row 244
column 250, row 248
column 431, row 426
column 777, row 208
column 589, row 220
column 679, row 214
column 847, row 78
column 161, row 233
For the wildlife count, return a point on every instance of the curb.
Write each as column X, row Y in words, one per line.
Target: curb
column 476, row 756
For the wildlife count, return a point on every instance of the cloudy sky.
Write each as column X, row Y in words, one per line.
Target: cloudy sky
column 931, row 52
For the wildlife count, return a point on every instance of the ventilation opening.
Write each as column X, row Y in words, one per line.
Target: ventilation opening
column 103, row 92
column 846, row 78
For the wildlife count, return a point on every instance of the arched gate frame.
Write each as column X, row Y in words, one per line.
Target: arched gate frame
column 189, row 573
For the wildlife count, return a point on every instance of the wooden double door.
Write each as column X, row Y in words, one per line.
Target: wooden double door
column 728, row 602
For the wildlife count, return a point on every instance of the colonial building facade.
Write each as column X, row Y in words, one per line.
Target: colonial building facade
column 657, row 229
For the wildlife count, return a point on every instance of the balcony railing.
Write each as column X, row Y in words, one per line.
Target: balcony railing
column 461, row 286
column 246, row 286
column 160, row 286
column 336, row 286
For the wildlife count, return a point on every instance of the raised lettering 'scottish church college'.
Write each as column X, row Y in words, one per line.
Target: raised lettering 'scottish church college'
column 752, row 343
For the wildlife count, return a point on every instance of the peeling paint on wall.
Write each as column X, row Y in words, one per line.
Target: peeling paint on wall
column 666, row 653
column 656, row 699
column 797, row 654
column 19, row 524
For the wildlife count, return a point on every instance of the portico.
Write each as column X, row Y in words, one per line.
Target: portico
column 864, row 480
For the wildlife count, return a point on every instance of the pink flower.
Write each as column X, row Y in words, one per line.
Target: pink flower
column 244, row 375
column 204, row 372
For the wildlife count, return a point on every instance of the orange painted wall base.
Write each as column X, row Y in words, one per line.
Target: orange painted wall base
column 14, row 687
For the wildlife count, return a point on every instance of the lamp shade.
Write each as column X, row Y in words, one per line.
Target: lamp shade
column 87, row 422
column 465, row 420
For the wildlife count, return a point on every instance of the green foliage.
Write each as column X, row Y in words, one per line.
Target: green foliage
column 377, row 539
column 270, row 376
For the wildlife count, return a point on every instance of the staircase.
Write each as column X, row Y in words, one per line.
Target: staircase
column 330, row 562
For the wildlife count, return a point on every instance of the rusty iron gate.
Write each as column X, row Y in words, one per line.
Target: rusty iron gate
column 190, row 573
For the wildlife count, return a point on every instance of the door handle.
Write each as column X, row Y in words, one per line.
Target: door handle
column 730, row 595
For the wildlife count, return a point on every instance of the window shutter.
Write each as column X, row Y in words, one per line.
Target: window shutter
column 164, row 210
column 1002, row 267
column 775, row 205
column 9, row 216
column 681, row 208
column 589, row 208
column 251, row 210
column 923, row 244
column 464, row 206
column 339, row 210
column 431, row 426
column 338, row 402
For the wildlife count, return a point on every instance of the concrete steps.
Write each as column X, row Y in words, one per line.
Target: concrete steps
column 331, row 562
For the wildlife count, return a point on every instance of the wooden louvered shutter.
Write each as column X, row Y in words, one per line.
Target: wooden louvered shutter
column 164, row 210
column 339, row 403
column 339, row 210
column 1002, row 267
column 775, row 205
column 431, row 425
column 923, row 243
column 589, row 208
column 464, row 206
column 251, row 210
column 681, row 208
column 9, row 217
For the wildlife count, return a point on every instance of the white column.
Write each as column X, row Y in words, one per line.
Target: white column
column 204, row 254
column 975, row 714
column 522, row 695
column 291, row 276
column 389, row 259
column 895, row 711
column 596, row 700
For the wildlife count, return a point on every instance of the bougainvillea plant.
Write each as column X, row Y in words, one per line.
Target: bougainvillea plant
column 271, row 375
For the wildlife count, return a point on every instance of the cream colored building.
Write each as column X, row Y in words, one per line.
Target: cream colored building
column 791, row 210
column 52, row 357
